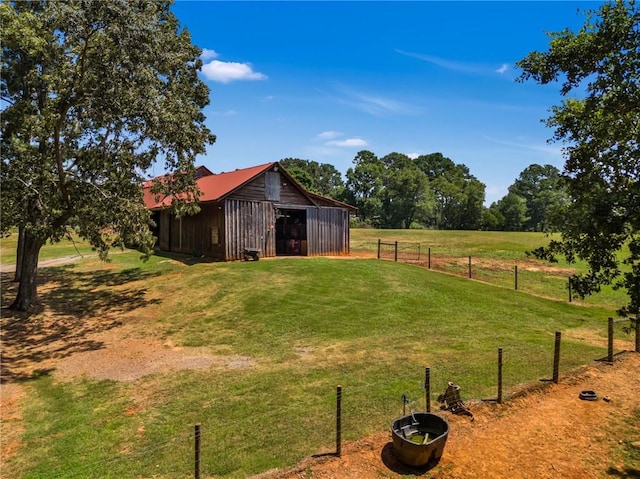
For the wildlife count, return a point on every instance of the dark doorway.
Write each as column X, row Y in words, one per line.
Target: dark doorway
column 291, row 233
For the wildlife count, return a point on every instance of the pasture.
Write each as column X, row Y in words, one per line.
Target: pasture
column 127, row 356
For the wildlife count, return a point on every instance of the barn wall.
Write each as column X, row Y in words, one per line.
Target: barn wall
column 249, row 224
column 327, row 231
column 262, row 188
column 196, row 234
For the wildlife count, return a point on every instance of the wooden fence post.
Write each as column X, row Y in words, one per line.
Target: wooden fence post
column 196, row 474
column 516, row 277
column 396, row 252
column 469, row 266
column 569, row 283
column 556, row 357
column 499, row 376
column 427, row 388
column 610, row 340
column 379, row 241
column 429, row 258
column 418, row 251
column 339, row 421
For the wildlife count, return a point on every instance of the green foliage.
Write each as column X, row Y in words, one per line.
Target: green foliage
column 599, row 66
column 320, row 178
column 95, row 93
column 395, row 191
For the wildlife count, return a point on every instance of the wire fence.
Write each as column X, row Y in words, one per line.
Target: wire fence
column 202, row 449
column 527, row 275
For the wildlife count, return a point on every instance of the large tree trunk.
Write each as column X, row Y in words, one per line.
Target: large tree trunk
column 27, row 298
column 19, row 254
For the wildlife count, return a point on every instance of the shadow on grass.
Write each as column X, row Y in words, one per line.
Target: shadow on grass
column 186, row 259
column 628, row 473
column 74, row 305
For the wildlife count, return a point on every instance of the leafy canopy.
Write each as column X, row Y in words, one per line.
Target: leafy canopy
column 598, row 68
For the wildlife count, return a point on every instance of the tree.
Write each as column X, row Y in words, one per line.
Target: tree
column 321, row 178
column 513, row 211
column 599, row 66
column 93, row 94
column 459, row 195
column 365, row 181
column 543, row 190
column 406, row 196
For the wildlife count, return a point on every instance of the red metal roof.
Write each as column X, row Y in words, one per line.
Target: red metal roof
column 212, row 187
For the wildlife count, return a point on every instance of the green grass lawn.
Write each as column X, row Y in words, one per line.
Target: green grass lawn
column 494, row 256
column 67, row 247
column 302, row 327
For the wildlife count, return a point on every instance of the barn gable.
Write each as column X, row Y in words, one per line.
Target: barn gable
column 262, row 208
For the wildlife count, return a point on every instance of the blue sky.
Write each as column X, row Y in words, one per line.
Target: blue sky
column 323, row 80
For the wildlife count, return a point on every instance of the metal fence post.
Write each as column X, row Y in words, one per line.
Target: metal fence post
column 556, row 357
column 339, row 421
column 427, row 388
column 196, row 474
column 610, row 340
column 499, row 376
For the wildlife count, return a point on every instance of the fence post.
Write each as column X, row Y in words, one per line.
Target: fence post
column 418, row 251
column 427, row 388
column 516, row 277
column 637, row 333
column 556, row 357
column 339, row 421
column 569, row 283
column 429, row 257
column 469, row 266
column 395, row 258
column 379, row 241
column 499, row 375
column 197, row 452
column 610, row 341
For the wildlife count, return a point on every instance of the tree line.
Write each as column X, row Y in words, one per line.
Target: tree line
column 432, row 191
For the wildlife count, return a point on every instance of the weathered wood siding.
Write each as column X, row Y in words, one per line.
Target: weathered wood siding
column 249, row 224
column 196, row 234
column 327, row 231
column 266, row 188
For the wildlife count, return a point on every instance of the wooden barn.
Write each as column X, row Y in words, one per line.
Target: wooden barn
column 259, row 208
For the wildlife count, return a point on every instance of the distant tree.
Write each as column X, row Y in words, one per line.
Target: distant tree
column 93, row 93
column 459, row 196
column 543, row 189
column 599, row 122
column 321, row 178
column 513, row 210
column 406, row 196
column 365, row 182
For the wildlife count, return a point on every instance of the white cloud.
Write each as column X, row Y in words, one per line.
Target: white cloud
column 503, row 69
column 226, row 72
column 552, row 151
column 328, row 135
column 208, row 54
column 349, row 142
column 413, row 156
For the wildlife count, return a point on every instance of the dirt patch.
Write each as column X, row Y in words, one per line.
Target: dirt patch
column 132, row 358
column 548, row 432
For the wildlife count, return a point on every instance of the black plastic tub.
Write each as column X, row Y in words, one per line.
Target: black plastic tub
column 419, row 438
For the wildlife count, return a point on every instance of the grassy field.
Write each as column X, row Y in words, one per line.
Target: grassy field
column 286, row 332
column 494, row 258
column 74, row 246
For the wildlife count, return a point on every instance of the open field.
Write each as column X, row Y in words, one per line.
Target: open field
column 494, row 257
column 109, row 379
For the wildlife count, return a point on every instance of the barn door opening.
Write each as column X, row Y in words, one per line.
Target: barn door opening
column 291, row 233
